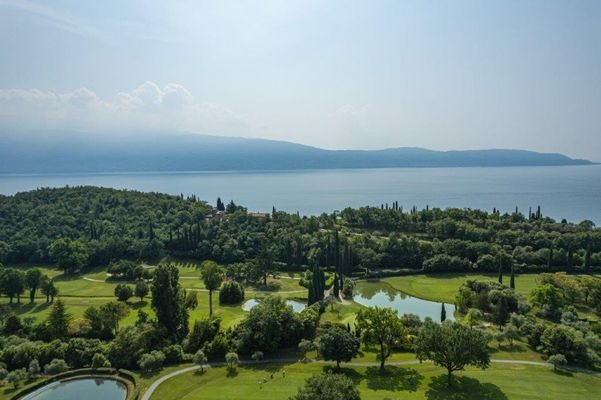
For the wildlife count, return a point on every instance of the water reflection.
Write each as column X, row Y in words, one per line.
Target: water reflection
column 378, row 294
column 297, row 306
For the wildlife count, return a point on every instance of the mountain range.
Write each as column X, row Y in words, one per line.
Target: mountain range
column 77, row 152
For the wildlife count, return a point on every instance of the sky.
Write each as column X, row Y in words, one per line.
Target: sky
column 335, row 74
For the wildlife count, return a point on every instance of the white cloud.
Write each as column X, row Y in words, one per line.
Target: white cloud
column 171, row 108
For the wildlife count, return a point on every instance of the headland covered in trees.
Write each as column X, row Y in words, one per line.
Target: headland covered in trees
column 101, row 278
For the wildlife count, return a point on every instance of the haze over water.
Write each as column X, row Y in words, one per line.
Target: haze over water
column 572, row 192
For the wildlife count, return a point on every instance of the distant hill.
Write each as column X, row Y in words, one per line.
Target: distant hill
column 135, row 153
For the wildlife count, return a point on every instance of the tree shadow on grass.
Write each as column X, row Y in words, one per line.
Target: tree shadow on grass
column 232, row 372
column 138, row 304
column 355, row 376
column 393, row 378
column 463, row 388
column 562, row 372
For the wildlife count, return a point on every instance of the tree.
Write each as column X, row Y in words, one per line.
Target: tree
column 558, row 360
column 548, row 298
column 231, row 292
column 452, row 346
column 100, row 361
column 327, row 387
column 110, row 314
column 58, row 321
column 232, row 359
column 33, row 278
column 305, row 346
column 48, row 289
column 34, row 369
column 190, row 300
column 220, row 205
column 269, row 326
column 70, row 255
column 472, row 317
column 16, row 377
column 264, row 262
column 511, row 333
column 443, row 313
column 123, row 292
column 152, row 361
column 12, row 283
column 141, row 289
column 212, row 275
column 56, row 366
column 200, row 359
column 337, row 344
column 512, row 278
column 380, row 327
column 317, row 285
column 168, row 301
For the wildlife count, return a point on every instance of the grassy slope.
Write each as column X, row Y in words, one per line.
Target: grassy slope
column 499, row 382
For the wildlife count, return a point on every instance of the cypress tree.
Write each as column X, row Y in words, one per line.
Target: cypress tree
column 587, row 256
column 443, row 314
column 500, row 268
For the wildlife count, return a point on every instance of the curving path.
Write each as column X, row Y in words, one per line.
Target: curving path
column 149, row 392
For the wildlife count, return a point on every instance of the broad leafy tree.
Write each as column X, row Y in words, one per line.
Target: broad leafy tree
column 33, row 279
column 452, row 346
column 337, row 344
column 382, row 328
column 327, row 387
column 69, row 255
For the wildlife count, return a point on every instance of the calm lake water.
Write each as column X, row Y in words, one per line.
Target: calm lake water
column 572, row 192
column 88, row 389
column 375, row 294
column 297, row 306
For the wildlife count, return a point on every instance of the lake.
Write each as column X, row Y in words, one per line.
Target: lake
column 76, row 389
column 379, row 294
column 297, row 306
column 571, row 192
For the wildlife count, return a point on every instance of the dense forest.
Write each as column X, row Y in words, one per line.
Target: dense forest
column 115, row 224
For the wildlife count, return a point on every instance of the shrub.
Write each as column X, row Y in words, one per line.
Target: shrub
column 200, row 359
column 349, row 288
column 123, row 292
column 34, row 369
column 100, row 361
column 16, row 377
column 232, row 359
column 257, row 356
column 191, row 300
column 152, row 361
column 328, row 387
column 218, row 347
column 174, row 354
column 231, row 292
column 557, row 360
column 56, row 366
column 202, row 331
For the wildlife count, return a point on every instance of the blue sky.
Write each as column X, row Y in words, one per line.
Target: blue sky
column 334, row 74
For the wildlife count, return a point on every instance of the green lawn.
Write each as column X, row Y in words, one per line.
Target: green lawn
column 426, row 381
column 444, row 287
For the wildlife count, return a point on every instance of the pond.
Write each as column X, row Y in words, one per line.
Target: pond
column 297, row 306
column 378, row 294
column 77, row 389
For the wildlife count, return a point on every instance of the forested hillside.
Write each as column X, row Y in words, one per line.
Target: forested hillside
column 114, row 224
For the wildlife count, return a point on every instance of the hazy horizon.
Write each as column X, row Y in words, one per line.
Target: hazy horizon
column 335, row 75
